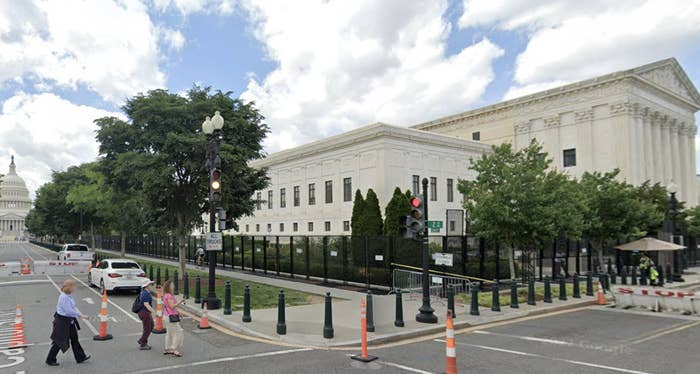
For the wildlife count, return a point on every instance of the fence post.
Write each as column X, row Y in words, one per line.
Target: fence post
column 514, row 294
column 465, row 255
column 623, row 275
column 531, row 292
column 158, row 276
column 495, row 298
column 660, row 270
column 370, row 312
column 328, row 318
column 669, row 273
column 498, row 261
column 578, row 257
column 345, row 259
column 227, row 298
column 281, row 320
column 547, row 290
column 253, row 249
column 577, row 287
column 291, row 256
column 265, row 241
column 325, row 258
column 246, row 304
column 151, row 275
column 197, row 290
column 451, row 299
column 242, row 252
column 474, row 302
column 277, row 254
column 554, row 259
column 633, row 277
column 186, row 285
column 540, row 262
column 177, row 282
column 398, row 322
column 167, row 275
column 589, row 258
column 482, row 256
column 307, row 258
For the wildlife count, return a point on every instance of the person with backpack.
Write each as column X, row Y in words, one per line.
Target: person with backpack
column 174, row 335
column 144, row 308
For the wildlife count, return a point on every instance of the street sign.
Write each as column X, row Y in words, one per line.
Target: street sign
column 443, row 259
column 214, row 241
column 434, row 226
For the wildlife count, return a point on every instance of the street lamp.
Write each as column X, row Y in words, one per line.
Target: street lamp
column 212, row 128
column 425, row 312
column 672, row 189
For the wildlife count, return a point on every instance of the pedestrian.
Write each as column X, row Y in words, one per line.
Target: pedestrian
column 200, row 256
column 174, row 335
column 66, row 326
column 146, row 315
column 645, row 263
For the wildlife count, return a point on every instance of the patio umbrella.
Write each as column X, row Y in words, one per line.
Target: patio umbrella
column 649, row 244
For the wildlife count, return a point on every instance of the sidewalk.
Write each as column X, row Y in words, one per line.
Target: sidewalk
column 305, row 323
column 691, row 277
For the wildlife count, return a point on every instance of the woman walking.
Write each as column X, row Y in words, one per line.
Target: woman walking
column 66, row 326
column 174, row 335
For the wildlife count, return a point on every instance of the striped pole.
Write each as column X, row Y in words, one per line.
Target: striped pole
column 103, row 335
column 18, row 339
column 450, row 351
column 364, row 357
column 159, row 329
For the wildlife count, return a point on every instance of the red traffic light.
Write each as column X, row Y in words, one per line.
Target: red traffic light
column 416, row 202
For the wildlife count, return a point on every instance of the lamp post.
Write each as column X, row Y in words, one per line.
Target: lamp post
column 212, row 128
column 672, row 212
column 426, row 312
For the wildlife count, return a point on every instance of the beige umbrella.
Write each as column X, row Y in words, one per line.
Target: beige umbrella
column 649, row 244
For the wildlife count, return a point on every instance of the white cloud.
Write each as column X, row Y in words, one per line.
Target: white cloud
column 343, row 64
column 46, row 132
column 570, row 40
column 108, row 46
column 173, row 38
column 186, row 7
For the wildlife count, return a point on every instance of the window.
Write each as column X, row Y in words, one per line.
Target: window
column 329, row 192
column 476, row 135
column 312, row 193
column 416, row 185
column 281, row 227
column 257, row 227
column 283, row 197
column 433, row 189
column 327, row 225
column 346, row 225
column 569, row 157
column 247, row 228
column 258, row 201
column 450, row 190
column 297, row 196
column 269, row 227
column 347, row 189
column 453, row 225
column 269, row 199
column 311, row 227
column 295, row 227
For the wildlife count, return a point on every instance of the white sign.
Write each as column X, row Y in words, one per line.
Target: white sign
column 437, row 280
column 214, row 241
column 334, row 253
column 238, row 249
column 257, row 250
column 378, row 258
column 300, row 251
column 443, row 259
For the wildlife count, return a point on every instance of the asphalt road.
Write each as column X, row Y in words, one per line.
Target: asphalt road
column 583, row 341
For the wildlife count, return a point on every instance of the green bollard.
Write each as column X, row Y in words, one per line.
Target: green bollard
column 328, row 318
column 513, row 294
column 474, row 310
column 623, row 275
column 197, row 290
column 176, row 282
column 613, row 278
column 281, row 322
column 547, row 290
column 606, row 281
column 633, row 278
column 495, row 298
column 562, row 289
column 186, row 286
column 643, row 278
column 577, row 287
column 589, row 283
column 227, row 298
column 370, row 312
column 398, row 322
column 669, row 273
column 246, row 304
column 660, row 270
column 531, row 292
column 451, row 299
column 151, row 274
column 158, row 276
column 167, row 275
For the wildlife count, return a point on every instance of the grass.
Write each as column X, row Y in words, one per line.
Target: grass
column 262, row 296
column 485, row 298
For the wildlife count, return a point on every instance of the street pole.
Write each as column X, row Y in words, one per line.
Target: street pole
column 673, row 207
column 213, row 147
column 425, row 312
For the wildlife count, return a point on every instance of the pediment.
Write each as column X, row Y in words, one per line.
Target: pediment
column 9, row 216
column 669, row 75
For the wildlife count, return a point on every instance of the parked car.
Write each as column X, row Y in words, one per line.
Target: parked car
column 75, row 252
column 117, row 275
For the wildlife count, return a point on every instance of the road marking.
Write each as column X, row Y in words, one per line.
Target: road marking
column 528, row 338
column 130, row 315
column 665, row 332
column 89, row 325
column 526, row 354
column 223, row 359
column 13, row 283
column 88, row 300
column 403, row 367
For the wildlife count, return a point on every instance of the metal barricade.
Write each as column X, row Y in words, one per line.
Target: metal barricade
column 411, row 282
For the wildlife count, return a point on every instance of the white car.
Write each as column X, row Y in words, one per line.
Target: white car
column 75, row 252
column 117, row 275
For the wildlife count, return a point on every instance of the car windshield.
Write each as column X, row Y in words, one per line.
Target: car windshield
column 125, row 265
column 76, row 248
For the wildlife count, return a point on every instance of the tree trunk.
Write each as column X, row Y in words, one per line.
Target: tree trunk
column 511, row 262
column 181, row 238
column 122, row 244
column 92, row 235
column 601, row 259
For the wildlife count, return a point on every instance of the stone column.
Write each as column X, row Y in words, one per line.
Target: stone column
column 584, row 149
column 676, row 174
column 551, row 125
column 688, row 136
column 667, row 159
column 522, row 134
column 657, row 155
column 637, row 150
column 648, row 150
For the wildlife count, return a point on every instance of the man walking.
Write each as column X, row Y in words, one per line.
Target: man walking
column 146, row 315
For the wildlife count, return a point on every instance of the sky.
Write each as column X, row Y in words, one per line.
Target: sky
column 313, row 68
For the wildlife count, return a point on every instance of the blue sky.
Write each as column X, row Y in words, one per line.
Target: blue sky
column 315, row 68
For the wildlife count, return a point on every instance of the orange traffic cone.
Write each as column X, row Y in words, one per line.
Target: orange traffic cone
column 103, row 320
column 601, row 295
column 450, row 352
column 18, row 340
column 159, row 329
column 24, row 269
column 204, row 322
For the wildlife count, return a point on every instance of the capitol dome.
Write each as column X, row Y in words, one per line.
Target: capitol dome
column 14, row 204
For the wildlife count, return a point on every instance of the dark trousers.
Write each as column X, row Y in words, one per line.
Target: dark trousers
column 78, row 352
column 147, row 323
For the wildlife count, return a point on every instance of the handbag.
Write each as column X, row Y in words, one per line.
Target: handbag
column 174, row 318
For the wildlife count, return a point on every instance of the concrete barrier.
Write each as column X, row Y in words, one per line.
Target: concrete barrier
column 61, row 267
column 657, row 298
column 9, row 268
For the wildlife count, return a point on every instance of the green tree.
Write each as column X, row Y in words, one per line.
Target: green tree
column 658, row 195
column 372, row 215
column 398, row 206
column 164, row 148
column 693, row 221
column 91, row 198
column 356, row 219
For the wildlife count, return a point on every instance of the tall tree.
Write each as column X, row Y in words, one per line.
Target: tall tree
column 356, row 219
column 398, row 206
column 163, row 146
column 372, row 215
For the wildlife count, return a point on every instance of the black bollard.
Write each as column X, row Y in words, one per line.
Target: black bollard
column 158, row 277
column 398, row 322
column 623, row 275
column 176, row 282
column 186, row 285
column 474, row 310
column 633, row 278
column 451, row 299
column 513, row 294
column 660, row 270
column 495, row 298
column 281, row 322
column 167, row 275
column 577, row 287
column 246, row 304
column 609, row 266
column 642, row 277
column 613, row 278
column 328, row 318
column 531, row 292
column 227, row 298
column 370, row 312
column 547, row 290
column 197, row 290
column 562, row 289
column 589, row 284
column 669, row 273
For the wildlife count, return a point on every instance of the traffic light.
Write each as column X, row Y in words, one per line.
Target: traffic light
column 404, row 231
column 415, row 221
column 215, row 184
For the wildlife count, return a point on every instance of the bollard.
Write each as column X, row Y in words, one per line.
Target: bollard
column 495, row 298
column 176, row 290
column 151, row 274
column 246, row 304
column 186, row 286
column 577, row 287
column 158, row 328
column 562, row 289
column 364, row 357
column 633, row 278
column 547, row 290
column 513, row 294
column 227, row 298
column 589, row 283
column 613, row 278
column 642, row 277
column 531, row 292
column 281, row 323
column 450, row 298
column 197, row 290
column 623, row 275
column 474, row 310
column 450, row 351
column 398, row 322
column 158, row 276
column 370, row 312
column 669, row 273
column 328, row 318
column 660, row 270
column 167, row 275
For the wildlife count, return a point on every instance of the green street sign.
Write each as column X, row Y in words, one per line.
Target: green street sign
column 434, row 226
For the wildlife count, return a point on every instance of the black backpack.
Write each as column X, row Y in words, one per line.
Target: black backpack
column 137, row 305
